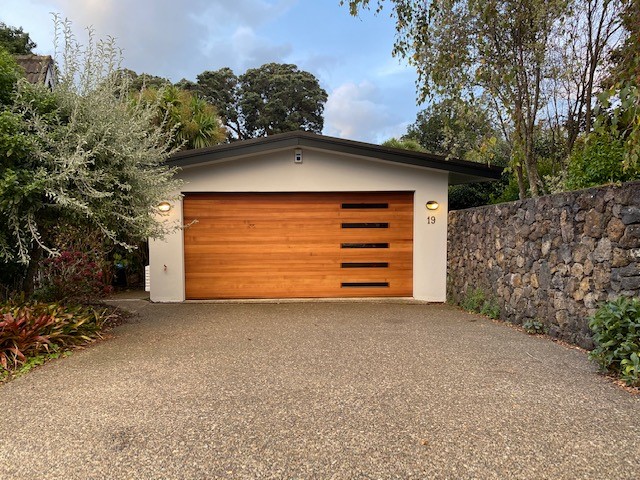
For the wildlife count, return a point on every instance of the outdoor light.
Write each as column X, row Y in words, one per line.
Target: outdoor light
column 164, row 207
column 432, row 205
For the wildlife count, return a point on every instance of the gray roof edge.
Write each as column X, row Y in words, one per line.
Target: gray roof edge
column 312, row 140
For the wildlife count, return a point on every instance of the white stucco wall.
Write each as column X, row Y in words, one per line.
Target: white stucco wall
column 320, row 171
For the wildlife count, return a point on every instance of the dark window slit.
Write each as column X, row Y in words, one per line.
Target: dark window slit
column 365, row 225
column 364, row 245
column 364, row 284
column 365, row 265
column 359, row 206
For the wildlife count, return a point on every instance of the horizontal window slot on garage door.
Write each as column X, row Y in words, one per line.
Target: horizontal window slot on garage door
column 368, row 206
column 363, row 284
column 365, row 225
column 364, row 265
column 364, row 245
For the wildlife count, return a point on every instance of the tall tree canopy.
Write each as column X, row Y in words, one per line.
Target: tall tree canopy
column 15, row 40
column 512, row 55
column 273, row 98
column 452, row 128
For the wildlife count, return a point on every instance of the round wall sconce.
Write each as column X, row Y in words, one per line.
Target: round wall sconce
column 164, row 207
column 432, row 205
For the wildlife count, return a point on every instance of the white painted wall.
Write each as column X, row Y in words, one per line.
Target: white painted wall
column 321, row 171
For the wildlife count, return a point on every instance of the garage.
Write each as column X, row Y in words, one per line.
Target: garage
column 301, row 215
column 277, row 245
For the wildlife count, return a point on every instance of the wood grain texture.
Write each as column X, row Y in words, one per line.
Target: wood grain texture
column 288, row 245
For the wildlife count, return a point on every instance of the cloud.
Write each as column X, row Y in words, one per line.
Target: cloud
column 245, row 49
column 180, row 39
column 356, row 111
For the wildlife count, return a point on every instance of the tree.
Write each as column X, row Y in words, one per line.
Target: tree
column 404, row 143
column 461, row 130
column 221, row 89
column 578, row 65
column 452, row 128
column 619, row 115
column 193, row 122
column 278, row 98
column 81, row 155
column 15, row 40
column 496, row 48
column 137, row 82
column 9, row 75
column 271, row 99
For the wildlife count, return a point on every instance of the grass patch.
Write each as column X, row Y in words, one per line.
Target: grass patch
column 477, row 301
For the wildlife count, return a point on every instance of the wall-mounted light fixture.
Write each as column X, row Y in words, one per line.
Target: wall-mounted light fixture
column 164, row 207
column 432, row 205
column 297, row 158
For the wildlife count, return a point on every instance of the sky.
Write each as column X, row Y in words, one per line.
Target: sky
column 372, row 95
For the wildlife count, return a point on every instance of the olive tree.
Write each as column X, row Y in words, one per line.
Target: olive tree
column 87, row 156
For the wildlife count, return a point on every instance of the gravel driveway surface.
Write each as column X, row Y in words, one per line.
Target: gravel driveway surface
column 318, row 390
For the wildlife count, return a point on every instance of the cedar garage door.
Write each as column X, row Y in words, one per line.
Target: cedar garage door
column 281, row 245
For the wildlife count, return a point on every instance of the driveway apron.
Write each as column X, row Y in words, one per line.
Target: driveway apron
column 318, row 390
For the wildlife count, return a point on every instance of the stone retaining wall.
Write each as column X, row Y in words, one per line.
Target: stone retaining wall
column 552, row 259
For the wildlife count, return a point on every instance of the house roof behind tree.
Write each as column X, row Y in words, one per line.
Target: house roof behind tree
column 38, row 69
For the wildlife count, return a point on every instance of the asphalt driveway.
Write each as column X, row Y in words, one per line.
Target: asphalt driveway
column 318, row 390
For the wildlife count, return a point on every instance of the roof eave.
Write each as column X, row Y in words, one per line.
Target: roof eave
column 460, row 171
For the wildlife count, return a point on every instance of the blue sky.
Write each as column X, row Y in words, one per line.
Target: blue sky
column 371, row 94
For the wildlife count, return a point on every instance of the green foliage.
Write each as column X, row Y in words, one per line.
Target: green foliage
column 491, row 309
column 455, row 127
column 509, row 192
column 33, row 329
column 82, row 155
column 497, row 50
column 616, row 334
column 461, row 129
column 221, row 89
column 619, row 118
column 476, row 194
column 10, row 72
column 598, row 161
column 15, row 40
column 476, row 300
column 193, row 122
column 273, row 98
column 534, row 327
column 138, row 82
column 405, row 144
column 277, row 98
column 31, row 363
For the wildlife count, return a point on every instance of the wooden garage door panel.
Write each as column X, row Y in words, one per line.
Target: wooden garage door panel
column 295, row 245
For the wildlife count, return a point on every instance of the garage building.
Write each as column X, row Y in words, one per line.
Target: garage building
column 300, row 215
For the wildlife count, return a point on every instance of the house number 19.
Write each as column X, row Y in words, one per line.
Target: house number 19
column 431, row 220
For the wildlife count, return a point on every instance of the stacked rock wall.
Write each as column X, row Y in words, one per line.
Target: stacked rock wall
column 551, row 259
